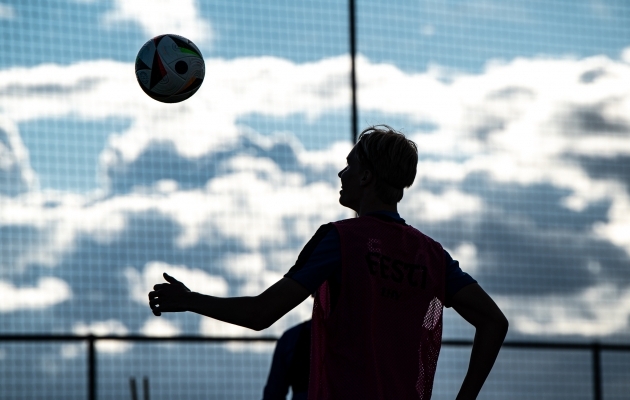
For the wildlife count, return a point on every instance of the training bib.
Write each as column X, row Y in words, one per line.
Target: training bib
column 383, row 338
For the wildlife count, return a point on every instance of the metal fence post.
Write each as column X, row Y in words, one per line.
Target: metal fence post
column 91, row 367
column 597, row 371
column 353, row 75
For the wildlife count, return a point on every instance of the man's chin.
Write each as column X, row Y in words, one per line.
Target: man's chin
column 344, row 202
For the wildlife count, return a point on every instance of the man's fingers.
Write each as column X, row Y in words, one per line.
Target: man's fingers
column 164, row 292
column 154, row 303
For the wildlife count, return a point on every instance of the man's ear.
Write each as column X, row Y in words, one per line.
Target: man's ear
column 366, row 178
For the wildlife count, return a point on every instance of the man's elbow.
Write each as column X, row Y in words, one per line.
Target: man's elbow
column 498, row 324
column 261, row 321
column 505, row 324
column 501, row 325
column 259, row 326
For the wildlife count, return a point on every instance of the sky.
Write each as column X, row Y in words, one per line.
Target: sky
column 520, row 112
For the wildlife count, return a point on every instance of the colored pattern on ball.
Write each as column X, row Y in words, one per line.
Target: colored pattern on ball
column 169, row 68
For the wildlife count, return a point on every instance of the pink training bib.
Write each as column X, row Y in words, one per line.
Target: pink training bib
column 382, row 340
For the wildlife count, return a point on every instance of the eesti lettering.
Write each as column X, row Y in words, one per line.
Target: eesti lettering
column 389, row 268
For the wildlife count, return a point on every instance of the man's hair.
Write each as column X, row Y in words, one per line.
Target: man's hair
column 392, row 158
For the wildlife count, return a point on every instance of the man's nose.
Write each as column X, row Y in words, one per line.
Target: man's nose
column 341, row 172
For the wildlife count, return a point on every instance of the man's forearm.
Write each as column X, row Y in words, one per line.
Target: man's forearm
column 255, row 313
column 240, row 311
column 488, row 341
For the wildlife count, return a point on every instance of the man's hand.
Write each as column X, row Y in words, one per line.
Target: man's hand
column 169, row 297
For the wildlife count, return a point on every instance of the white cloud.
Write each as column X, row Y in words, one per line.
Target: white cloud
column 102, row 89
column 430, row 207
column 618, row 225
column 116, row 328
column 101, row 328
column 159, row 327
column 7, row 12
column 157, row 17
column 524, row 122
column 48, row 292
column 56, row 219
column 596, row 311
column 140, row 284
column 16, row 175
column 466, row 254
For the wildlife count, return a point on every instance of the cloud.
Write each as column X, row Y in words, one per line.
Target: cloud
column 102, row 328
column 16, row 175
column 48, row 292
column 466, row 254
column 105, row 89
column 530, row 122
column 159, row 327
column 157, row 17
column 431, row 207
column 7, row 12
column 520, row 179
column 195, row 279
column 600, row 310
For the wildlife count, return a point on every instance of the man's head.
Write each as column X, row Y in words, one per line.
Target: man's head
column 382, row 158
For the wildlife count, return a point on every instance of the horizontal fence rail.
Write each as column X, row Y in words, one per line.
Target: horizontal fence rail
column 594, row 347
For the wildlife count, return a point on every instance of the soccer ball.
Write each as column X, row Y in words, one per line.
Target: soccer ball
column 170, row 68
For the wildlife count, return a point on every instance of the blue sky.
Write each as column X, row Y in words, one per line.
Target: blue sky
column 75, row 149
column 457, row 35
column 411, row 34
column 423, row 67
column 520, row 111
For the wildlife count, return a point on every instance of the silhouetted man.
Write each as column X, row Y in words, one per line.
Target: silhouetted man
column 380, row 286
column 290, row 365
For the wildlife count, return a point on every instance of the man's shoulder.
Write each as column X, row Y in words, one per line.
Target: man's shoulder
column 342, row 222
column 424, row 235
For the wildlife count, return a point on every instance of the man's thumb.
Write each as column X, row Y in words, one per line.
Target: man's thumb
column 170, row 279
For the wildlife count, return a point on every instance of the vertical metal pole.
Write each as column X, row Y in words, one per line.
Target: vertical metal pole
column 597, row 372
column 353, row 76
column 133, row 388
column 91, row 368
column 145, row 385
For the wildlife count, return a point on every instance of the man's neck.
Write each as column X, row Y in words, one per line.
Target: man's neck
column 373, row 206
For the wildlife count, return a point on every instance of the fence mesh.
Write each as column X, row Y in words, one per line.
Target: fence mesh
column 520, row 112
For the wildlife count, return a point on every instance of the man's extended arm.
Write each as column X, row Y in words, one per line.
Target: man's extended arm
column 255, row 313
column 476, row 307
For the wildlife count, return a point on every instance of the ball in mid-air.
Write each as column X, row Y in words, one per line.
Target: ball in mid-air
column 170, row 68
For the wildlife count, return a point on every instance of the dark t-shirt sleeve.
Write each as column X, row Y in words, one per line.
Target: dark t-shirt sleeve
column 456, row 279
column 319, row 259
